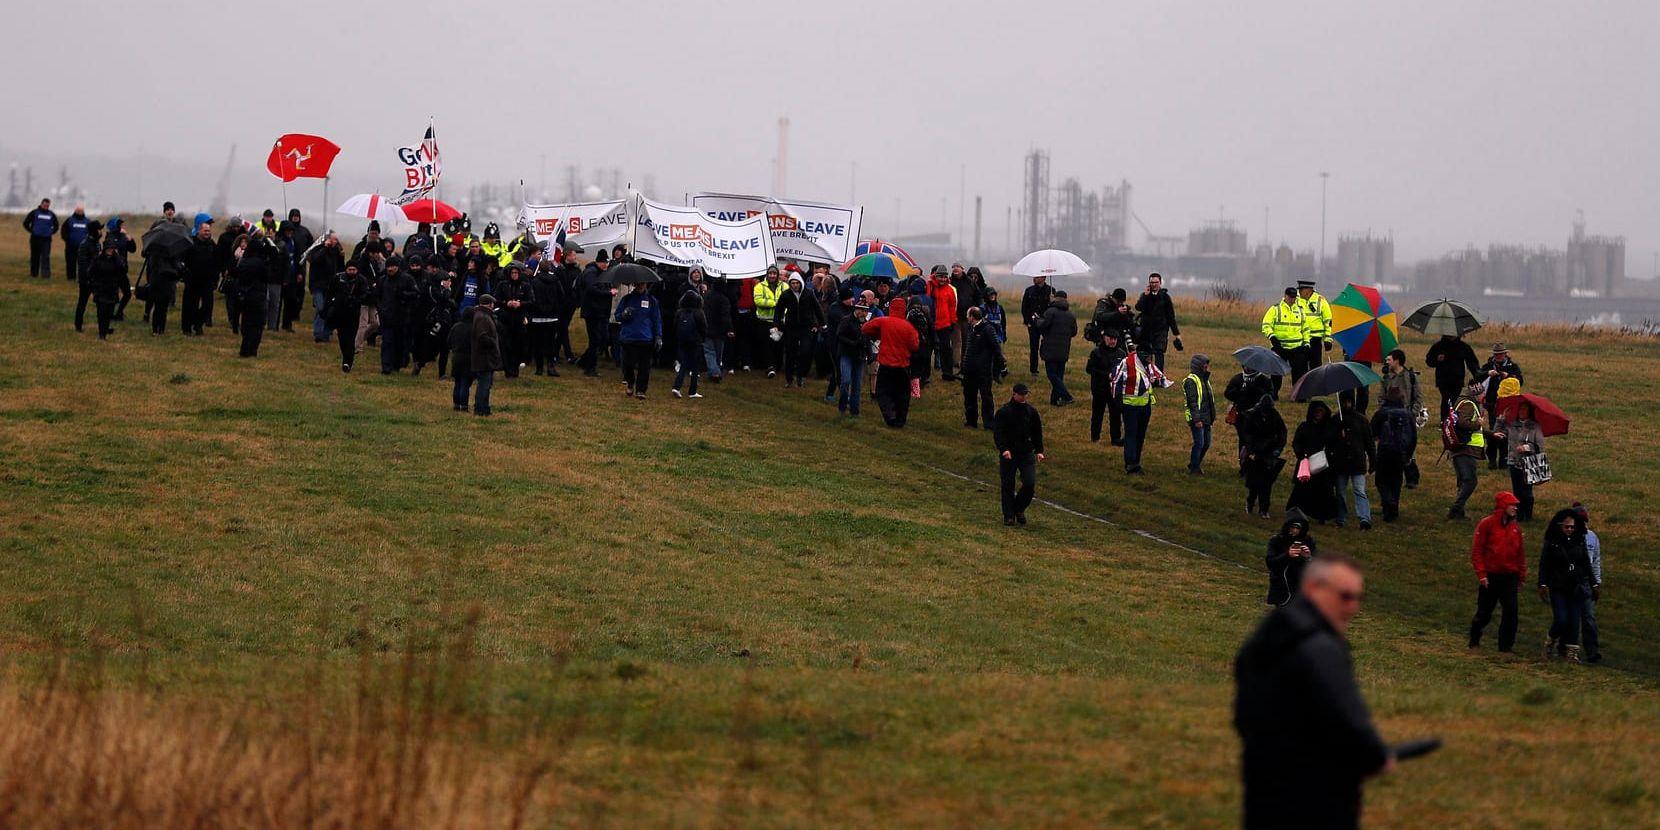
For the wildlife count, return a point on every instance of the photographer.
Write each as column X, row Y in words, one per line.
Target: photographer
column 1032, row 305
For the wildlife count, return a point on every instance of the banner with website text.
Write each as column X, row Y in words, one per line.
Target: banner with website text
column 589, row 224
column 685, row 236
column 812, row 231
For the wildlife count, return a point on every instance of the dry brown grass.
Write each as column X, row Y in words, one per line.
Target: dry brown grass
column 397, row 751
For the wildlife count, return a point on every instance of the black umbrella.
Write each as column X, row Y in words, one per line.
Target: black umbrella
column 1333, row 378
column 630, row 273
column 167, row 239
column 1262, row 359
column 1443, row 317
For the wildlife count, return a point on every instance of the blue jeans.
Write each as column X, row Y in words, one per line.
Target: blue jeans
column 1136, row 419
column 481, row 402
column 1355, row 484
column 851, row 372
column 1201, row 445
column 1056, row 369
column 714, row 351
column 463, row 387
column 1567, row 610
column 320, row 328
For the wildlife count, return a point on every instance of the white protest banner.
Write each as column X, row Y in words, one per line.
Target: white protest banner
column 589, row 224
column 422, row 168
column 812, row 231
column 684, row 236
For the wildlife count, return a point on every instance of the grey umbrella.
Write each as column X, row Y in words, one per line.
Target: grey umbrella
column 1443, row 316
column 1262, row 359
column 167, row 239
column 630, row 273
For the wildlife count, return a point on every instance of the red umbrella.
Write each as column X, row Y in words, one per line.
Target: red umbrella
column 430, row 211
column 1552, row 420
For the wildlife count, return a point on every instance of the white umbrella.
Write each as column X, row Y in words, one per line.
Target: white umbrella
column 372, row 206
column 1050, row 262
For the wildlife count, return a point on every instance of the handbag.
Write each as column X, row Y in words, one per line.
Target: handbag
column 1317, row 463
column 1232, row 416
column 1536, row 466
column 1303, row 474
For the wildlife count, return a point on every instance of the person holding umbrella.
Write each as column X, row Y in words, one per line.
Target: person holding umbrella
column 1523, row 437
column 1286, row 328
column 1033, row 303
column 1315, row 491
column 1454, row 363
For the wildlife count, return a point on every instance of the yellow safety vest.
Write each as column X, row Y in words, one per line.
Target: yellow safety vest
column 766, row 298
column 1316, row 315
column 1203, row 393
column 1286, row 324
column 1478, row 439
column 496, row 251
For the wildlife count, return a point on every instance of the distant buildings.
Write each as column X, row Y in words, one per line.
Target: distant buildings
column 1591, row 266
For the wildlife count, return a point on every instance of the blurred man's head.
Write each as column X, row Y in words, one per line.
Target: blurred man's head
column 1334, row 586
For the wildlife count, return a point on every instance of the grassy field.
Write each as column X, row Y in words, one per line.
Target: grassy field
column 741, row 611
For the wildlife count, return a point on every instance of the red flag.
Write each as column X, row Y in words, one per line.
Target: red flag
column 298, row 155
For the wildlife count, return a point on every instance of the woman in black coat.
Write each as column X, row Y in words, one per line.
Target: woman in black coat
column 1262, row 436
column 1316, row 498
column 1289, row 552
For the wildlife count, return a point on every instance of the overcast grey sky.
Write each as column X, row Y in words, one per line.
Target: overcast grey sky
column 1448, row 122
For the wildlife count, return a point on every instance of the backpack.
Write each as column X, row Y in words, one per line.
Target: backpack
column 917, row 316
column 1395, row 432
column 685, row 326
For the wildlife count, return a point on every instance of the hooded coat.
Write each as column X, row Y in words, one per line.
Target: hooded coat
column 1308, row 737
column 1285, row 572
column 1497, row 546
column 1058, row 327
column 1317, row 497
column 898, row 338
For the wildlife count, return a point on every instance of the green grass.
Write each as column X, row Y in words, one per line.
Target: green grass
column 744, row 611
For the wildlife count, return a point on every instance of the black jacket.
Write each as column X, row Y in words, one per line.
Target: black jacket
column 1058, row 327
column 398, row 297
column 107, row 275
column 201, row 265
column 1564, row 562
column 797, row 313
column 851, row 340
column 1244, row 392
column 344, row 296
column 1035, row 301
column 982, row 354
column 1308, row 736
column 596, row 293
column 547, row 296
column 1285, row 572
column 1158, row 314
column 461, row 345
column 1353, row 451
column 323, row 263
column 717, row 310
column 1262, row 429
column 507, row 289
column 1454, row 363
column 969, row 294
column 1103, row 361
column 1017, row 429
column 1315, row 436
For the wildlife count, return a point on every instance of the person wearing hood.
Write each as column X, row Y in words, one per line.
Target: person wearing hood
column 1309, row 741
column 116, row 230
column 1262, row 435
column 397, row 300
column 1316, row 496
column 1103, row 362
column 201, row 271
column 994, row 315
column 1133, row 383
column 1593, row 554
column 1157, row 315
column 323, row 263
column 1565, row 581
column 800, row 318
column 1289, row 553
column 253, row 268
column 1462, row 433
column 74, row 234
column 90, row 250
column 513, row 298
column 767, row 294
column 1500, row 561
column 547, row 303
column 691, row 331
column 1353, row 456
column 919, row 312
column 42, row 225
column 1034, row 301
column 982, row 362
column 436, row 313
column 1058, row 327
column 852, row 351
column 640, row 333
column 1199, row 407
column 971, row 293
column 897, row 341
column 105, row 278
column 1397, row 439
column 1243, row 391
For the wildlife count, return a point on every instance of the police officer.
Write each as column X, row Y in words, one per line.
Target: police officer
column 1286, row 328
column 1317, row 318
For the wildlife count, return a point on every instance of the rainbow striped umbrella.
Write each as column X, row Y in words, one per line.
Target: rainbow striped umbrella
column 1363, row 323
column 880, row 266
column 877, row 246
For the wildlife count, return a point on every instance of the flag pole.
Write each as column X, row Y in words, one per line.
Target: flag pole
column 282, row 166
column 324, row 216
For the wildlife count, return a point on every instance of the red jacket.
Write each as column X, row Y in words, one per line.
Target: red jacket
column 746, row 294
column 899, row 338
column 944, row 295
column 1497, row 547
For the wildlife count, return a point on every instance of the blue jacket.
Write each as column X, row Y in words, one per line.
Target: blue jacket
column 41, row 222
column 75, row 230
column 642, row 320
column 994, row 316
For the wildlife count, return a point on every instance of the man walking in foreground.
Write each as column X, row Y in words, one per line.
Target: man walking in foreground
column 1017, row 431
column 1308, row 738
